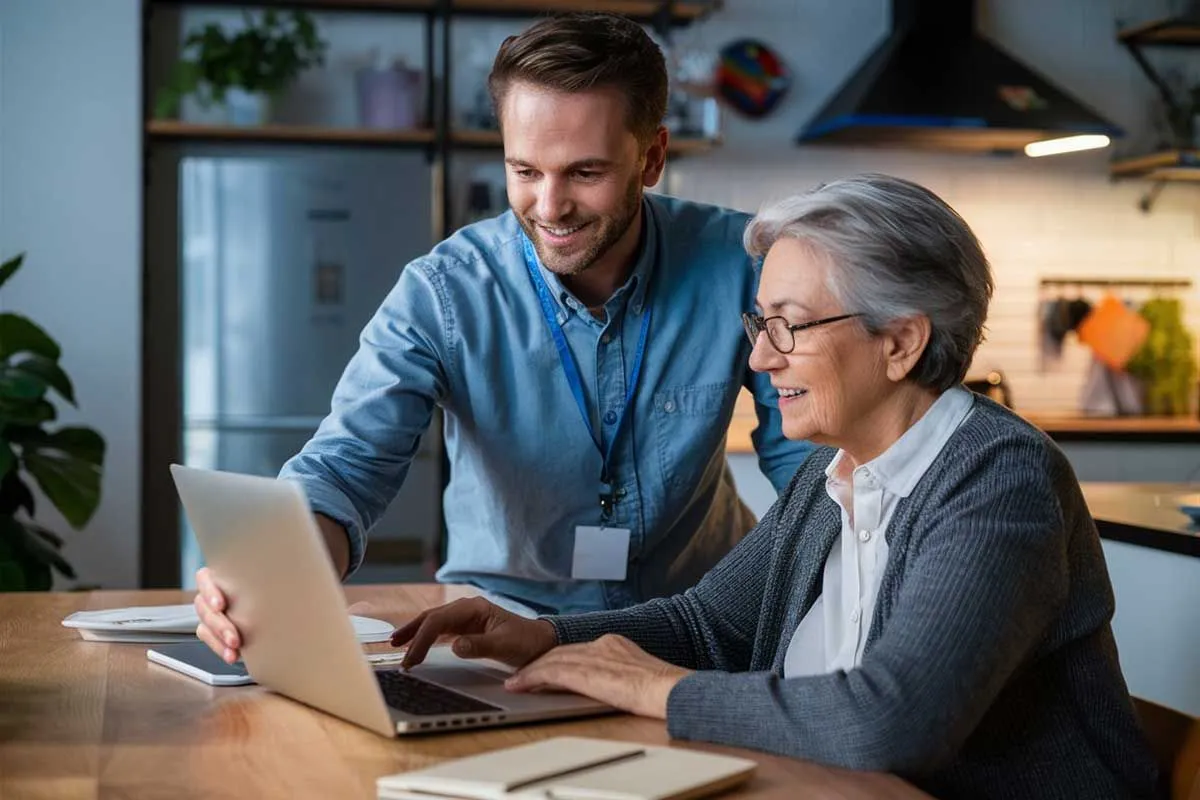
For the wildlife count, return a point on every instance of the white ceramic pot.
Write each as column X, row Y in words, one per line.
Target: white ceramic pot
column 246, row 108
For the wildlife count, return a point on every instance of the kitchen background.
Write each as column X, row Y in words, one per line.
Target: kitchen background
column 71, row 190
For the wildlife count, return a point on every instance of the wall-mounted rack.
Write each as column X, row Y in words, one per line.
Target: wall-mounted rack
column 1148, row 283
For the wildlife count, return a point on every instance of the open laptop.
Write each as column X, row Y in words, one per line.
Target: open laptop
column 259, row 535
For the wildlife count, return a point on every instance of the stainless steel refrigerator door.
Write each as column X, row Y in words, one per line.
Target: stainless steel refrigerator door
column 285, row 257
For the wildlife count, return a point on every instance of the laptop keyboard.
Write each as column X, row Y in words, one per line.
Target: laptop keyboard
column 412, row 695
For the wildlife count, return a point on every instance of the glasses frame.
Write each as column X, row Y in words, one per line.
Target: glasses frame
column 755, row 324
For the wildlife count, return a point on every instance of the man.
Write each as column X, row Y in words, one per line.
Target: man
column 585, row 347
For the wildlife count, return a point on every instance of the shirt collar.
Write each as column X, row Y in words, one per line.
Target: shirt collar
column 901, row 466
column 634, row 288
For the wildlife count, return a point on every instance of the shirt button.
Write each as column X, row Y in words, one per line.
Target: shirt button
column 610, row 418
column 855, row 615
column 669, row 406
column 863, row 536
column 605, row 339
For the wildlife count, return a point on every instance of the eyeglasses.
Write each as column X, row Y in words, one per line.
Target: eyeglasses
column 782, row 335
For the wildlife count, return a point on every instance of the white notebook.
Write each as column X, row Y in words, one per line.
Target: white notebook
column 165, row 624
column 572, row 768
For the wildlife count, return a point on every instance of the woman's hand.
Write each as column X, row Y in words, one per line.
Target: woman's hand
column 611, row 669
column 482, row 630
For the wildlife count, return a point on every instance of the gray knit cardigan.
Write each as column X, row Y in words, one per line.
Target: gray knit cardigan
column 989, row 670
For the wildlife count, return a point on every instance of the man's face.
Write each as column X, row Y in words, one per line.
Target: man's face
column 575, row 172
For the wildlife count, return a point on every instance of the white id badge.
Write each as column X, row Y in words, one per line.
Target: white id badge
column 601, row 554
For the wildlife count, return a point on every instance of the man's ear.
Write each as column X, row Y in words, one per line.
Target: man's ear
column 904, row 341
column 656, row 158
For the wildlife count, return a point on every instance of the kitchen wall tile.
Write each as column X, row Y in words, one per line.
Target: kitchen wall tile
column 1059, row 219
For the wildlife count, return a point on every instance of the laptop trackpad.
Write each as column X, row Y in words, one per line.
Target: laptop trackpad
column 486, row 683
column 459, row 677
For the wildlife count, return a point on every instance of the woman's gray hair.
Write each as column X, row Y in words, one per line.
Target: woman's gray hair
column 896, row 250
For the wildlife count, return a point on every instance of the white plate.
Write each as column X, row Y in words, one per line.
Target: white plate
column 139, row 623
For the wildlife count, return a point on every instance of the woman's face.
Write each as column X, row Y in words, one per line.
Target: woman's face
column 837, row 374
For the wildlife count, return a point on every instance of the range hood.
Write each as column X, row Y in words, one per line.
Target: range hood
column 935, row 83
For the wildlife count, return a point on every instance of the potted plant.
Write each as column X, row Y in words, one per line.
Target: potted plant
column 66, row 462
column 243, row 69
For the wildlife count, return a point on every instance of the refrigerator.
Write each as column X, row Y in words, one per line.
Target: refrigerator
column 285, row 256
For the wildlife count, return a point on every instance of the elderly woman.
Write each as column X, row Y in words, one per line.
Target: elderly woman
column 928, row 597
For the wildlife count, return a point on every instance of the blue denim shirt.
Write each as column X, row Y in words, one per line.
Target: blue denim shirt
column 463, row 330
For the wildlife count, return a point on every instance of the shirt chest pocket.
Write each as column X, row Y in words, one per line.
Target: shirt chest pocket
column 689, row 421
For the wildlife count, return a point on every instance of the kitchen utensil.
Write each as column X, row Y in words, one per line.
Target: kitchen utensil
column 1113, row 331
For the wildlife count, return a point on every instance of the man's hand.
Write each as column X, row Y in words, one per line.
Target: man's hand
column 611, row 669
column 482, row 630
column 215, row 629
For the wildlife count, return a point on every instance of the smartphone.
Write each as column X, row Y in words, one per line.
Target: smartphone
column 195, row 660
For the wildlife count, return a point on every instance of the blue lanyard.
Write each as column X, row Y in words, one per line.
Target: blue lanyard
column 571, row 370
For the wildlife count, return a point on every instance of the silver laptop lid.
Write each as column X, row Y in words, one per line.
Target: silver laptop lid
column 260, row 537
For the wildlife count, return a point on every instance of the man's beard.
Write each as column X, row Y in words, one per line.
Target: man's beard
column 608, row 231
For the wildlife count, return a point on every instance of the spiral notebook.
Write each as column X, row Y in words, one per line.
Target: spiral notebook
column 572, row 768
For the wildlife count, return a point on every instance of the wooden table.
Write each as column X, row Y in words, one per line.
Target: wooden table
column 89, row 720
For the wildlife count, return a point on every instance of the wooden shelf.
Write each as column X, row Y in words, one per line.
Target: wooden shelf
column 1176, row 32
column 485, row 140
column 682, row 11
column 312, row 5
column 187, row 131
column 1169, row 165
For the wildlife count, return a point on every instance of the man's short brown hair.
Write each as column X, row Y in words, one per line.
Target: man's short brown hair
column 581, row 51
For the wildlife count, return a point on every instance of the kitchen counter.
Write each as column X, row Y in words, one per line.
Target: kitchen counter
column 1144, row 514
column 1061, row 428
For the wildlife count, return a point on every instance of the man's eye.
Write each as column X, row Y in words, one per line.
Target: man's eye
column 523, row 173
column 587, row 174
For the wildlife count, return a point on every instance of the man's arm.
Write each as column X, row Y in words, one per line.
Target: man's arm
column 357, row 460
column 337, row 541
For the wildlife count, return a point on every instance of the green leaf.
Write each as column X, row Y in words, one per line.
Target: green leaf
column 37, row 577
column 12, row 577
column 18, row 334
column 14, row 495
column 83, row 444
column 50, row 536
column 49, row 372
column 36, row 546
column 26, row 412
column 18, row 386
column 8, row 268
column 71, row 484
